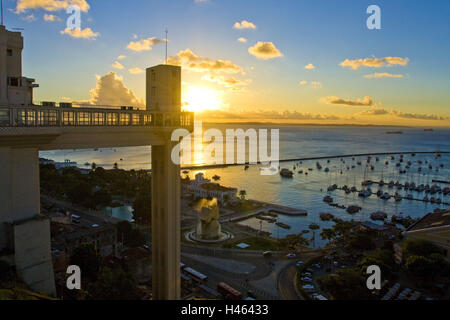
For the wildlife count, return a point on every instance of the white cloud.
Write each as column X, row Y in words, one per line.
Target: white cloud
column 241, row 39
column 121, row 57
column 117, row 65
column 110, row 90
column 50, row 5
column 81, row 34
column 374, row 62
column 244, row 24
column 382, row 75
column 365, row 102
column 265, row 51
column 310, row 66
column 144, row 44
column 51, row 17
column 135, row 70
column 229, row 82
column 189, row 60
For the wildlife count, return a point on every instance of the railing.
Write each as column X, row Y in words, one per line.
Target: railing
column 40, row 116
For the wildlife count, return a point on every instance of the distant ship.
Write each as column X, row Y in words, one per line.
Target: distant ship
column 394, row 132
column 428, row 129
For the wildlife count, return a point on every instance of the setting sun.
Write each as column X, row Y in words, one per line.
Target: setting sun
column 200, row 99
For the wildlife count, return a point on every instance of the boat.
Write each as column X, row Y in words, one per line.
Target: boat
column 379, row 215
column 318, row 166
column 427, row 129
column 283, row 225
column 397, row 197
column 385, row 196
column 328, row 199
column 286, row 173
column 364, row 193
column 394, row 132
column 314, row 226
column 326, row 216
column 353, row 209
column 326, row 169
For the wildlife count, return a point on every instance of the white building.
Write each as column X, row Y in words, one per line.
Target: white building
column 14, row 89
column 204, row 188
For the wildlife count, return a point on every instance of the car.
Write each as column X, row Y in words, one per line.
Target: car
column 307, row 274
column 317, row 266
column 267, row 254
column 291, row 255
column 299, row 263
column 308, row 287
column 306, row 279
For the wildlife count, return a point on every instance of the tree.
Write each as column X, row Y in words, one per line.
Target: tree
column 419, row 247
column 87, row 259
column 115, row 166
column 101, row 198
column 93, row 166
column 347, row 284
column 142, row 208
column 382, row 258
column 131, row 237
column 242, row 194
column 113, row 284
column 362, row 242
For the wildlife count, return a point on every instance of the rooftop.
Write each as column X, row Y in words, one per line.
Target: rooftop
column 438, row 218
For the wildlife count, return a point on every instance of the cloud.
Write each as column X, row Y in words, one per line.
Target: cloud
column 375, row 112
column 365, row 102
column 110, row 90
column 244, row 24
column 241, row 39
column 144, row 44
column 117, row 65
column 420, row 116
column 229, row 82
column 81, row 34
column 189, row 60
column 374, row 62
column 51, row 17
column 312, row 84
column 50, row 5
column 135, row 70
column 121, row 57
column 264, row 114
column 29, row 18
column 201, row 1
column 310, row 66
column 382, row 75
column 265, row 51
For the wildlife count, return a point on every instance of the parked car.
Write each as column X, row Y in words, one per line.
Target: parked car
column 299, row 263
column 306, row 279
column 308, row 287
column 291, row 255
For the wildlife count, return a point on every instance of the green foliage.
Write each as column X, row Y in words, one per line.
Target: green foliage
column 347, row 284
column 242, row 194
column 113, row 284
column 419, row 247
column 87, row 259
column 131, row 237
column 382, row 258
column 362, row 241
column 292, row 240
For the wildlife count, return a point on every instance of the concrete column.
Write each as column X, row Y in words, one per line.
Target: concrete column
column 165, row 224
column 23, row 232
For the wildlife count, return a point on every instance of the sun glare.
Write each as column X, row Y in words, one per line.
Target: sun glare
column 199, row 99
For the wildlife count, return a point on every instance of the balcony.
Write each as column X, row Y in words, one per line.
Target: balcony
column 47, row 116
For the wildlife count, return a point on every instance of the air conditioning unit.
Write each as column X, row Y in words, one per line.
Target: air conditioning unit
column 48, row 104
column 65, row 105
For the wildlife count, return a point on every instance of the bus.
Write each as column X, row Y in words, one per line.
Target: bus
column 199, row 277
column 228, row 292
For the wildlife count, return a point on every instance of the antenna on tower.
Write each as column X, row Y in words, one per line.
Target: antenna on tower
column 167, row 31
column 1, row 4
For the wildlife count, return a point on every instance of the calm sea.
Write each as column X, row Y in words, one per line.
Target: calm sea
column 307, row 191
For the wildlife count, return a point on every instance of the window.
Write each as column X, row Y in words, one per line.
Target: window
column 26, row 117
column 124, row 119
column 98, row 118
column 153, row 76
column 9, row 52
column 111, row 119
column 83, row 118
column 136, row 119
column 153, row 91
column 13, row 81
column 68, row 118
column 4, row 117
column 47, row 118
column 147, row 119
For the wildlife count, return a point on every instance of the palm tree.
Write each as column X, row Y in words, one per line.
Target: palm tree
column 93, row 166
column 242, row 194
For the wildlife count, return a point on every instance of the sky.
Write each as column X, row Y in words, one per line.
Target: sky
column 248, row 60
